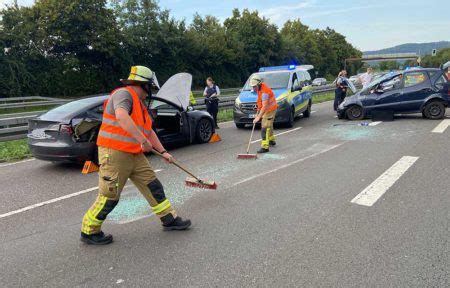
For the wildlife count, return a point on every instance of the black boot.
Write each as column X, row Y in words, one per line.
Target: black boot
column 177, row 224
column 272, row 143
column 96, row 239
column 263, row 150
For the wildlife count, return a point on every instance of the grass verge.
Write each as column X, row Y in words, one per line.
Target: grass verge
column 322, row 97
column 225, row 115
column 14, row 150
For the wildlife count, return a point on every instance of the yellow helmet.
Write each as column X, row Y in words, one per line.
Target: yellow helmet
column 139, row 75
column 255, row 80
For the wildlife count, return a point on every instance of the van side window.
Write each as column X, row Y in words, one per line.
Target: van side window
column 307, row 77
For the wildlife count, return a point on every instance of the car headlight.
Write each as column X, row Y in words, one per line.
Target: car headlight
column 237, row 103
column 282, row 102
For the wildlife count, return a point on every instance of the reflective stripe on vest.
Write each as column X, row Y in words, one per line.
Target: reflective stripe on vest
column 112, row 135
column 272, row 101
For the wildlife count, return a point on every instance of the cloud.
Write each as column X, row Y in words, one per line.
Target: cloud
column 278, row 13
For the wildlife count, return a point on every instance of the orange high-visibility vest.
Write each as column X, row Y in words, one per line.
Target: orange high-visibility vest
column 111, row 135
column 272, row 102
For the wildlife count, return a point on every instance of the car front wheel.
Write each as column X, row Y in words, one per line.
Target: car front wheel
column 434, row 110
column 204, row 130
column 290, row 122
column 355, row 112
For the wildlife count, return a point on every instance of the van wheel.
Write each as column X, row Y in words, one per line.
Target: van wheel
column 307, row 112
column 290, row 122
column 434, row 110
column 204, row 130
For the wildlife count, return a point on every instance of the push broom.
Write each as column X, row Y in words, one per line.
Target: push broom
column 249, row 156
column 192, row 181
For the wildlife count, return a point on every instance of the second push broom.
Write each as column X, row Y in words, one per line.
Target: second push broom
column 247, row 155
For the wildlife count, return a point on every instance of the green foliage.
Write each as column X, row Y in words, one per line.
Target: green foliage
column 82, row 47
column 441, row 57
column 14, row 150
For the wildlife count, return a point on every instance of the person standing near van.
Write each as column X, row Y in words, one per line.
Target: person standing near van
column 266, row 110
column 211, row 93
column 341, row 89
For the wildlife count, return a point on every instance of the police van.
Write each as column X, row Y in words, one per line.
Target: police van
column 292, row 88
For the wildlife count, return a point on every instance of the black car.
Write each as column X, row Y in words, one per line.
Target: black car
column 417, row 90
column 69, row 132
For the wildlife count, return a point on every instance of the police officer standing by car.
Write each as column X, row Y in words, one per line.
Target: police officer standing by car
column 125, row 134
column 266, row 110
column 211, row 93
column 341, row 89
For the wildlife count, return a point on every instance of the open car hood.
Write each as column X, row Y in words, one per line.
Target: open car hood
column 176, row 90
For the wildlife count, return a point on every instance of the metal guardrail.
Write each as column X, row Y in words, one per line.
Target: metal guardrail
column 15, row 125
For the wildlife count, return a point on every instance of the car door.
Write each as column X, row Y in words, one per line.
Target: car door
column 416, row 87
column 295, row 95
column 387, row 95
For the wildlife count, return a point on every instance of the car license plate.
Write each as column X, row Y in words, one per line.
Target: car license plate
column 252, row 116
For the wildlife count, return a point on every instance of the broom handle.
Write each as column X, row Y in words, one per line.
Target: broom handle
column 178, row 165
column 251, row 136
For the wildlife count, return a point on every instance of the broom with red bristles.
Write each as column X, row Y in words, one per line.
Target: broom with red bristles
column 192, row 181
column 249, row 156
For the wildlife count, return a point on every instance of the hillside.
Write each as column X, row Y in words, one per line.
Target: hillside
column 422, row 48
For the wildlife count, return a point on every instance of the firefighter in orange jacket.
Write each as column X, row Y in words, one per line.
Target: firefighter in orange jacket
column 267, row 108
column 125, row 134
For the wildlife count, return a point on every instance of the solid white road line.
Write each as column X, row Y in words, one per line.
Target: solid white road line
column 55, row 200
column 313, row 112
column 375, row 123
column 440, row 128
column 279, row 134
column 15, row 163
column 377, row 188
column 288, row 164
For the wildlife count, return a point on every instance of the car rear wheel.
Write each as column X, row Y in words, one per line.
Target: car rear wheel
column 434, row 110
column 204, row 130
column 307, row 112
column 240, row 125
column 355, row 112
column 290, row 122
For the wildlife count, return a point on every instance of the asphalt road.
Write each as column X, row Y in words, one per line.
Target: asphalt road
column 284, row 220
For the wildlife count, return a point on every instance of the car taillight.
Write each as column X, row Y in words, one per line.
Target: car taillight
column 65, row 129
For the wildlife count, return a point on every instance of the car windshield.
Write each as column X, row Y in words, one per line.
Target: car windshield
column 378, row 81
column 275, row 80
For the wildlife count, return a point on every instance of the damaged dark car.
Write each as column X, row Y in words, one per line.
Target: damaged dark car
column 68, row 133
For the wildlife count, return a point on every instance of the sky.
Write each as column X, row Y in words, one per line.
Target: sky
column 368, row 25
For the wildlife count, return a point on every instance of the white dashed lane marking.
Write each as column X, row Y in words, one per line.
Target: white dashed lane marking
column 279, row 134
column 377, row 188
column 441, row 127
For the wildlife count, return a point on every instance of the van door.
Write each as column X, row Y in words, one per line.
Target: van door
column 295, row 96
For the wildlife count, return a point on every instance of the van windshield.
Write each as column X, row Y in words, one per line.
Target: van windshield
column 275, row 80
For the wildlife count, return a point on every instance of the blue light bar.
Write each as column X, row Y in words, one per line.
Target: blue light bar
column 277, row 68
